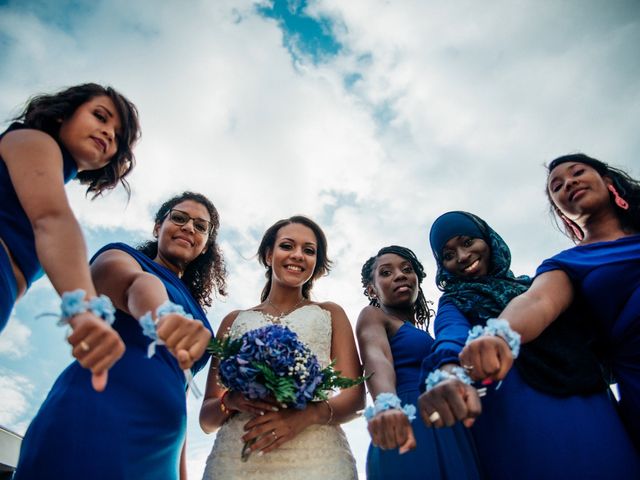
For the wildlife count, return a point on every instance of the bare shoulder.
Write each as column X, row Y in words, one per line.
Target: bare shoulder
column 371, row 315
column 331, row 307
column 25, row 142
column 115, row 260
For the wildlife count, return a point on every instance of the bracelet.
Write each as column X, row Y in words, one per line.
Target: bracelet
column 226, row 410
column 330, row 412
column 149, row 325
column 388, row 401
column 498, row 327
column 438, row 376
column 73, row 304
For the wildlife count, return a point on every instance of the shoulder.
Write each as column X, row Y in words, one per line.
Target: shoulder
column 371, row 314
column 330, row 306
column 28, row 141
column 227, row 322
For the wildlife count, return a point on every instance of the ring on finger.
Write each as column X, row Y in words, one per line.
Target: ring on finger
column 468, row 367
column 84, row 346
column 275, row 435
column 434, row 417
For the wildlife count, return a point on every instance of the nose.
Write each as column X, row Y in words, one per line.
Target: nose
column 188, row 226
column 297, row 253
column 400, row 275
column 109, row 132
column 462, row 255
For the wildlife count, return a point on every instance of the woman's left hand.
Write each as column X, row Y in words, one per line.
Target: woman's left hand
column 185, row 338
column 271, row 430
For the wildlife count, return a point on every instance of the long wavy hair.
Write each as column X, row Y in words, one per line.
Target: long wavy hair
column 44, row 112
column 323, row 264
column 421, row 307
column 207, row 274
column 627, row 187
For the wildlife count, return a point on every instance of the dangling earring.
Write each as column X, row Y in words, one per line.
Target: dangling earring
column 574, row 228
column 621, row 202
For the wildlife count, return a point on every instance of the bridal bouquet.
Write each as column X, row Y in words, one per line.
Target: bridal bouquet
column 271, row 362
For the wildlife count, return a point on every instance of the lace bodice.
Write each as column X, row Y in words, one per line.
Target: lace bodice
column 319, row 452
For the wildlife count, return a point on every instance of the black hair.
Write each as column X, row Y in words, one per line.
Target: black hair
column 207, row 272
column 323, row 264
column 421, row 308
column 626, row 186
column 45, row 112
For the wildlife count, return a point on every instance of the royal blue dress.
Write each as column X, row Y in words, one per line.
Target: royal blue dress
column 446, row 453
column 132, row 430
column 606, row 277
column 17, row 233
column 525, row 433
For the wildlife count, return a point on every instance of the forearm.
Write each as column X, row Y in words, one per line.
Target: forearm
column 145, row 293
column 528, row 316
column 62, row 252
column 211, row 415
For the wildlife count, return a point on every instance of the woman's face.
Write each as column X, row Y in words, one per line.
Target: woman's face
column 466, row 256
column 578, row 189
column 91, row 133
column 294, row 255
column 395, row 282
column 179, row 245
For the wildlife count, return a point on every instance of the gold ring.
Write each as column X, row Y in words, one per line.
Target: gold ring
column 275, row 436
column 468, row 368
column 434, row 417
column 84, row 346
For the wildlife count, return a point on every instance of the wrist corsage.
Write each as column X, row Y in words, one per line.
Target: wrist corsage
column 387, row 401
column 438, row 376
column 148, row 325
column 500, row 328
column 73, row 303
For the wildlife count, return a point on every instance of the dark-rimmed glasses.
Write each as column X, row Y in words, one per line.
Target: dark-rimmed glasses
column 180, row 218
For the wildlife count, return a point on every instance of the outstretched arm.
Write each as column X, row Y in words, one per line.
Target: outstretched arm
column 117, row 275
column 35, row 165
column 389, row 429
column 528, row 314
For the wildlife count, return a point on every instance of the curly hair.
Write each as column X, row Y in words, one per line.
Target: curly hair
column 44, row 112
column 421, row 308
column 207, row 273
column 627, row 187
column 323, row 264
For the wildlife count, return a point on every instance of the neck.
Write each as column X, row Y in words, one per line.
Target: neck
column 406, row 314
column 601, row 227
column 174, row 267
column 284, row 297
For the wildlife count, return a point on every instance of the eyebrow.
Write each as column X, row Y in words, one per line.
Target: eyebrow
column 293, row 241
column 109, row 112
column 570, row 167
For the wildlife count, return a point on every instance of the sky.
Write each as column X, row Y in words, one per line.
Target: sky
column 372, row 117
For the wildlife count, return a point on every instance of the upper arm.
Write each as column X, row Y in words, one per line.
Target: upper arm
column 35, row 165
column 113, row 272
column 213, row 388
column 372, row 337
column 343, row 345
column 451, row 327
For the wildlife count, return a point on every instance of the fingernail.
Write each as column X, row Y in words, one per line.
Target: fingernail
column 275, row 409
column 260, row 453
column 261, row 413
column 487, row 381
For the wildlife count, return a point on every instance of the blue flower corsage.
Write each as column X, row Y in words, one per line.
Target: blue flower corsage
column 387, row 401
column 73, row 304
column 500, row 328
column 149, row 329
column 439, row 376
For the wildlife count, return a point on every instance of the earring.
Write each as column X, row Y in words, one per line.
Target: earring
column 621, row 202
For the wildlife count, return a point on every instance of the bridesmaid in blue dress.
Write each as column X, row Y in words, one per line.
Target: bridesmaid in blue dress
column 393, row 341
column 600, row 208
column 84, row 132
column 135, row 429
column 552, row 416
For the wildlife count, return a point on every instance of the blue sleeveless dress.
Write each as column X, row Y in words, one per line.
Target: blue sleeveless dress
column 17, row 233
column 132, row 430
column 527, row 434
column 606, row 277
column 446, row 453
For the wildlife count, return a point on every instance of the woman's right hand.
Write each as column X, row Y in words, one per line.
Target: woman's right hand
column 96, row 346
column 391, row 429
column 452, row 400
column 236, row 401
column 488, row 356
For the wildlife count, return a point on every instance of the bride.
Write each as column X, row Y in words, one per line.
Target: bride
column 287, row 443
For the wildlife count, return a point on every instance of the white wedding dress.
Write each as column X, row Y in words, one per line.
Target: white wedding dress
column 319, row 452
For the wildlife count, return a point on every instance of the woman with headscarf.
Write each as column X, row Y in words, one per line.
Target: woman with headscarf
column 552, row 417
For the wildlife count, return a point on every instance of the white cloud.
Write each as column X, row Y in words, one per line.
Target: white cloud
column 16, row 391
column 14, row 341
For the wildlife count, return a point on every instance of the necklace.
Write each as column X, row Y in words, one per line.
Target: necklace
column 282, row 314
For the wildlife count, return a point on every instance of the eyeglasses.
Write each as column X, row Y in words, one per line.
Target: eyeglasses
column 178, row 217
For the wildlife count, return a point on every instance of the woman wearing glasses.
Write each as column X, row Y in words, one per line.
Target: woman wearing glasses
column 136, row 427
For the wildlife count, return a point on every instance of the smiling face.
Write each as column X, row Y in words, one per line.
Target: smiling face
column 395, row 282
column 179, row 245
column 578, row 189
column 466, row 256
column 294, row 255
column 91, row 133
